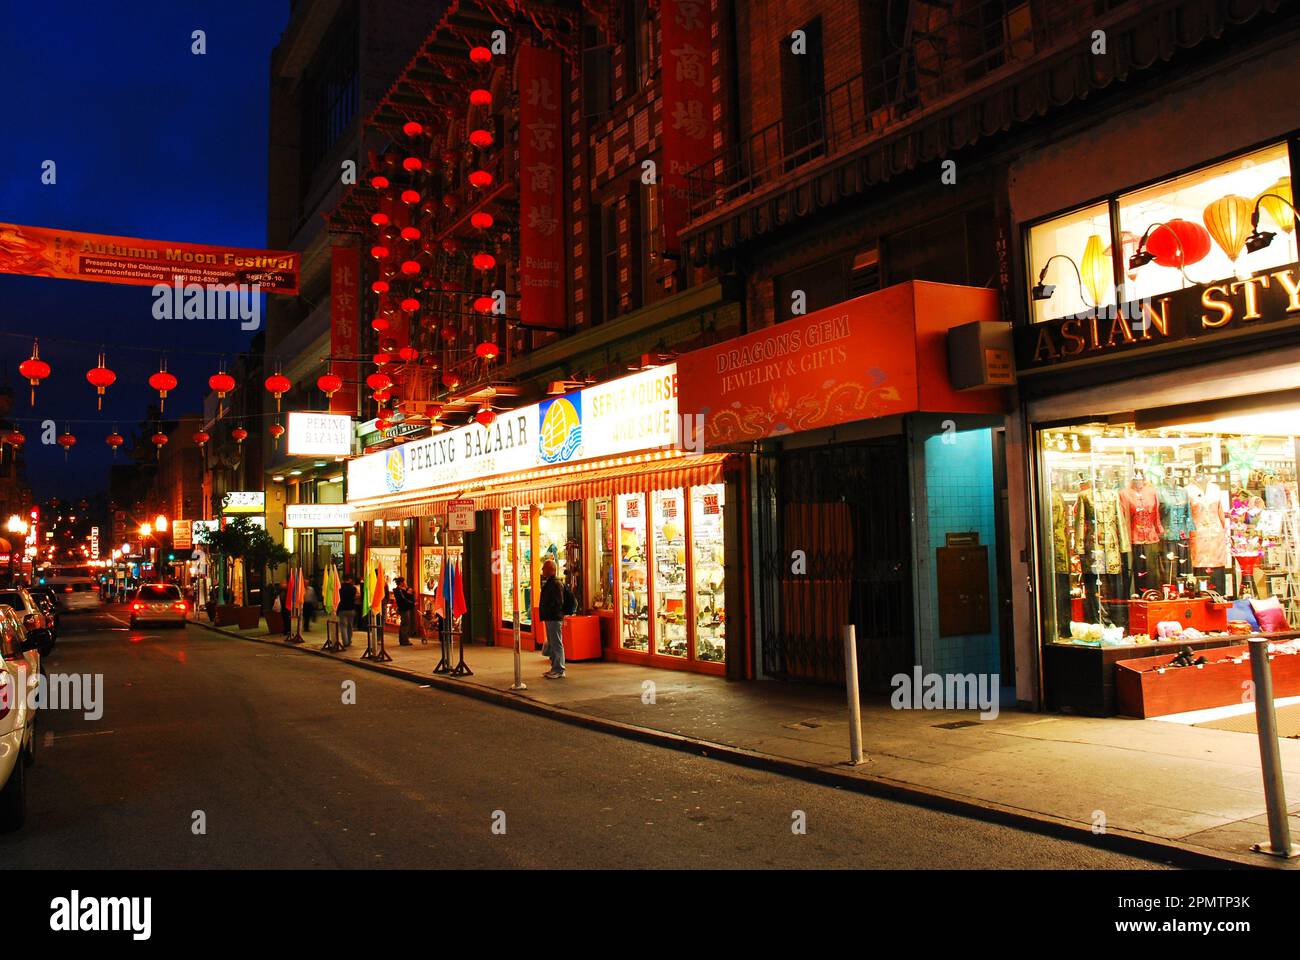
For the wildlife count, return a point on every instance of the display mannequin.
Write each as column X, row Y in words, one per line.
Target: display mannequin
column 1140, row 512
column 1176, row 519
column 1209, row 534
column 1097, row 531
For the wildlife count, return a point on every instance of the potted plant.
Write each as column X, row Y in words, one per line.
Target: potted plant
column 264, row 552
column 228, row 544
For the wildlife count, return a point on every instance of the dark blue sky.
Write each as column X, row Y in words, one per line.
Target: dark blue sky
column 150, row 141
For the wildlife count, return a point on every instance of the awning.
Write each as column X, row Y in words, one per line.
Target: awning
column 602, row 481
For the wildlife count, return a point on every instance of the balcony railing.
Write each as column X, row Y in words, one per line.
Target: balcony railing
column 949, row 46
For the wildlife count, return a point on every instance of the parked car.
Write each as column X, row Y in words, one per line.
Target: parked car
column 49, row 604
column 75, row 592
column 36, row 622
column 158, row 603
column 19, row 673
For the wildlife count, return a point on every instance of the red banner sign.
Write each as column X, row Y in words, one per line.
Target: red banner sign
column 687, row 104
column 345, row 324
column 68, row 255
column 541, row 192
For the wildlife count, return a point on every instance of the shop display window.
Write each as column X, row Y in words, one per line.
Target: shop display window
column 672, row 637
column 601, row 539
column 552, row 537
column 507, row 569
column 1203, row 514
column 1071, row 260
column 634, row 610
column 708, row 576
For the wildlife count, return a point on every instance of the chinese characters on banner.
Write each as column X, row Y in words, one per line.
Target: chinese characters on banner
column 541, row 190
column 687, row 104
column 345, row 314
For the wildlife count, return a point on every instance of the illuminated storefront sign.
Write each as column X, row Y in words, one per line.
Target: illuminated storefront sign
column 319, row 434
column 306, row 516
column 244, row 501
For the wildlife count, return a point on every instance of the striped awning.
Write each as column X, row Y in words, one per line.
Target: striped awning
column 562, row 487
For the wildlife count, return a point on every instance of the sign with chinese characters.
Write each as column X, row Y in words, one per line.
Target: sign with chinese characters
column 68, row 255
column 310, row 516
column 542, row 234
column 460, row 515
column 319, row 434
column 345, row 320
column 183, row 534
column 687, row 104
column 244, row 501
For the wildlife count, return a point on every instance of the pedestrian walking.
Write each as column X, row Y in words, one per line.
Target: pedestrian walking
column 555, row 601
column 347, row 610
column 286, row 608
column 405, row 600
column 308, row 607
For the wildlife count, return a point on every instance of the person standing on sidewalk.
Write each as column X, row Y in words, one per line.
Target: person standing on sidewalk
column 405, row 600
column 554, row 601
column 347, row 610
column 308, row 607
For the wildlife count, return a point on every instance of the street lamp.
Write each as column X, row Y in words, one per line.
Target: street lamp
column 160, row 523
column 146, row 529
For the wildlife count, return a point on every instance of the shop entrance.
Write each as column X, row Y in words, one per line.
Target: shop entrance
column 834, row 549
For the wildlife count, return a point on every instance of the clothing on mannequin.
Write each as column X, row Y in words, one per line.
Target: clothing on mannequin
column 1175, row 541
column 1140, row 507
column 1210, row 535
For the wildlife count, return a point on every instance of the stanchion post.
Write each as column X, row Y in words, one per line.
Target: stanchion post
column 514, row 591
column 1279, row 830
column 851, row 682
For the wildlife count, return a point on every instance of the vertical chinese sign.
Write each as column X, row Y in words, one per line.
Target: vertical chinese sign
column 687, row 105
column 345, row 319
column 541, row 194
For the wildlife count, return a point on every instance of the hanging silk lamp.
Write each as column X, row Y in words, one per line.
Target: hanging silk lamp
column 1095, row 270
column 15, row 438
column 481, row 138
column 485, row 416
column 484, row 261
column 379, row 182
column 1228, row 220
column 480, row 97
column 1178, row 243
column 410, row 233
column 480, row 54
column 379, row 381
column 412, row 129
column 1281, row 210
column 159, row 440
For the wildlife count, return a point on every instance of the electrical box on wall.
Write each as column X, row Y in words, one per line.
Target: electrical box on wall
column 981, row 356
column 963, row 581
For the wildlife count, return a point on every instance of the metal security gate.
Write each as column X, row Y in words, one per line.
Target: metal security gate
column 834, row 548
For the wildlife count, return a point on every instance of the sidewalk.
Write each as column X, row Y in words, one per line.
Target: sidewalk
column 1163, row 787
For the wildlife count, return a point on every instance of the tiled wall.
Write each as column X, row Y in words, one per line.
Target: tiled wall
column 953, row 484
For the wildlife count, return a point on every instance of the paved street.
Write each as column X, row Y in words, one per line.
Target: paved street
column 287, row 775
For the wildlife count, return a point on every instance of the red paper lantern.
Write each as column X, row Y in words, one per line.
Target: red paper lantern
column 114, row 440
column 412, row 129
column 382, row 358
column 410, row 233
column 379, row 286
column 481, row 179
column 382, row 424
column 329, row 383
column 201, row 437
column 382, row 396
column 15, row 438
column 481, row 219
column 222, row 383
column 379, row 381
column 451, row 380
column 67, row 441
column 409, row 353
column 410, row 304
column 277, row 384
column 485, row 416
column 34, row 370
column 1178, row 242
column 379, row 323
column 277, row 431
column 162, row 381
column 481, row 138
column 487, row 350
column 480, row 97
column 411, row 196
column 412, row 164
column 379, row 218
column 239, row 434
column 484, row 261
column 480, row 54
column 159, row 440
column 379, row 251
column 101, row 378
column 379, row 182
column 410, row 267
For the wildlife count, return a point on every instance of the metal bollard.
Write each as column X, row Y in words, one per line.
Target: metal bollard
column 1279, row 830
column 851, row 680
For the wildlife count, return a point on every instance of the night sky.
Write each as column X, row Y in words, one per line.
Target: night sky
column 150, row 141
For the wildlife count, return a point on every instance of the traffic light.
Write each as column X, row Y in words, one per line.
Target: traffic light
column 171, row 556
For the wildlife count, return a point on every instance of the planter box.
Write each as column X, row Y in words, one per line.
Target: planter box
column 249, row 617
column 1145, row 692
column 227, row 615
column 275, row 621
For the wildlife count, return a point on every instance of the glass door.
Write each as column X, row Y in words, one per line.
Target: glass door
column 671, row 636
column 708, row 572
column 634, row 616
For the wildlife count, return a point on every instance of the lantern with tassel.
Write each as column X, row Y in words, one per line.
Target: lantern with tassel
column 101, row 378
column 1228, row 220
column 67, row 441
column 114, row 440
column 162, row 381
column 277, row 431
column 159, row 440
column 239, row 434
column 277, row 384
column 34, row 370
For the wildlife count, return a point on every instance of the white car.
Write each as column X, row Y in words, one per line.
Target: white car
column 75, row 593
column 158, row 603
column 20, row 668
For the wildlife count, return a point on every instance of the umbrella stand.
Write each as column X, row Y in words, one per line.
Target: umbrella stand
column 444, row 629
column 381, row 655
column 333, row 643
column 370, row 638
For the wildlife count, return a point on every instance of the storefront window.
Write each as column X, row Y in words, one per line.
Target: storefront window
column 1196, row 225
column 507, row 569
column 552, row 536
column 1072, row 255
column 708, row 572
column 601, row 542
column 1205, row 513
column 634, row 610
column 671, row 636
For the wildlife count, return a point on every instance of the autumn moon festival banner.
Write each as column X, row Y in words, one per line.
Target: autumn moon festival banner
column 69, row 255
column 875, row 356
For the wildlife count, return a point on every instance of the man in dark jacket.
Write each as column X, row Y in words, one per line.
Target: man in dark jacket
column 551, row 610
column 405, row 600
column 347, row 610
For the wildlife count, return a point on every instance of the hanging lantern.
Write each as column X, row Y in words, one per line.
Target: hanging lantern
column 382, row 358
column 481, row 179
column 451, row 246
column 409, row 354
column 379, row 381
column 485, row 416
column 239, row 434
column 15, row 438
column 162, row 381
column 277, row 431
column 484, row 304
column 481, row 219
column 379, row 218
column 411, row 196
column 487, row 350
column 1228, row 220
column 379, row 323
column 222, row 383
column 201, row 437
column 412, row 164
column 34, row 370
column 382, row 424
column 382, row 396
column 451, row 380
column 484, row 261
column 1178, row 243
column 410, row 304
column 412, row 128
column 1280, row 211
column 410, row 233
column 329, row 383
column 277, row 384
column 159, row 440
column 101, row 378
column 480, row 97
column 379, row 286
column 67, row 441
column 1095, row 271
column 114, row 440
column 379, row 251
column 410, row 267
column 481, row 138
column 379, row 182
column 480, row 54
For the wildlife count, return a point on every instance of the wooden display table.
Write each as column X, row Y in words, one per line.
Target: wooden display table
column 1146, row 691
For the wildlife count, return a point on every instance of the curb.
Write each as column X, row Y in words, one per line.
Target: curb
column 1118, row 841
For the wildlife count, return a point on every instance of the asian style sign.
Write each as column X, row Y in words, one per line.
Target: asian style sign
column 1183, row 316
column 70, row 255
column 687, row 104
column 319, row 434
column 345, row 320
column 879, row 355
column 542, row 234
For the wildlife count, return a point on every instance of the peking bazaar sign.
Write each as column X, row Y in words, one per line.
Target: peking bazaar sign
column 541, row 190
column 687, row 104
column 69, row 255
column 880, row 355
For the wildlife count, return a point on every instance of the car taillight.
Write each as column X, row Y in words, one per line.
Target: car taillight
column 68, row 588
column 137, row 606
column 179, row 606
